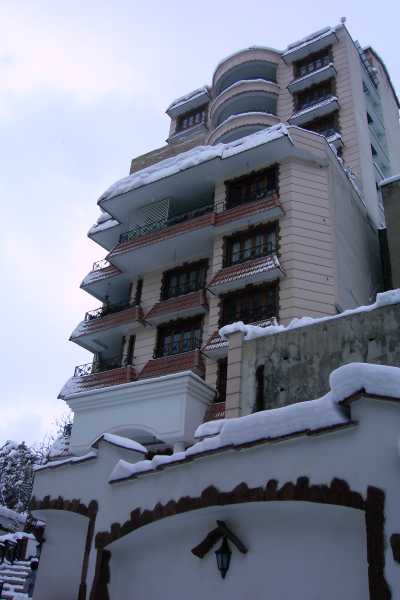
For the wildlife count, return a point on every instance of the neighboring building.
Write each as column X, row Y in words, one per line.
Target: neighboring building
column 264, row 206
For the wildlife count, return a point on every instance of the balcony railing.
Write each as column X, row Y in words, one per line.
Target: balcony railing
column 313, row 102
column 141, row 230
column 102, row 311
column 260, row 194
column 313, row 65
column 100, row 264
column 98, row 366
column 265, row 249
column 180, row 346
column 249, row 314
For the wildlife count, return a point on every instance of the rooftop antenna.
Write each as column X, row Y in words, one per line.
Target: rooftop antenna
column 343, row 20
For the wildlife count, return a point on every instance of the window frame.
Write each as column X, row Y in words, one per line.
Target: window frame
column 249, row 293
column 197, row 115
column 200, row 267
column 177, row 329
column 325, row 56
column 314, row 94
column 242, row 186
column 242, row 237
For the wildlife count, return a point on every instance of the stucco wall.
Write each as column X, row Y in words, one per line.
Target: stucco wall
column 391, row 201
column 297, row 362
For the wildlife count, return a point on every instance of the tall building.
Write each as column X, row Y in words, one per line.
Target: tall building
column 265, row 205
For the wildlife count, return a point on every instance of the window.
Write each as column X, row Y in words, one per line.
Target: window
column 180, row 336
column 183, row 280
column 326, row 126
column 252, row 187
column 369, row 118
column 250, row 244
column 314, row 94
column 222, row 374
column 313, row 63
column 250, row 305
column 192, row 118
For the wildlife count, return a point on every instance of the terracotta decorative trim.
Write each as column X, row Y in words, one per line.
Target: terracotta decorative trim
column 75, row 506
column 337, row 493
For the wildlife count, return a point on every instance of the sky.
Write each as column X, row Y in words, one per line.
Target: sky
column 83, row 89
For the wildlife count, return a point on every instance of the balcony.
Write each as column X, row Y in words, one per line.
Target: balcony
column 251, row 63
column 98, row 374
column 174, row 363
column 174, row 404
column 97, row 282
column 314, row 43
column 103, row 327
column 241, row 125
column 183, row 306
column 190, row 235
column 313, row 77
column 244, row 97
column 314, row 110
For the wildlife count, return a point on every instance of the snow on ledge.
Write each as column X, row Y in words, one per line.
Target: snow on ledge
column 191, row 158
column 302, row 418
column 67, row 461
column 388, row 180
column 252, row 332
column 120, row 441
column 202, row 91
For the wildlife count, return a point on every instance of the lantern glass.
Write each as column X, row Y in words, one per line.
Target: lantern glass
column 223, row 555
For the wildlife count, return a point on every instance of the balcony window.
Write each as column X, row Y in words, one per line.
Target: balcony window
column 313, row 63
column 252, row 187
column 253, row 243
column 314, row 94
column 183, row 280
column 181, row 336
column 192, row 118
column 326, row 126
column 250, row 305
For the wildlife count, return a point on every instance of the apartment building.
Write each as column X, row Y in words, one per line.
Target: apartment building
column 263, row 206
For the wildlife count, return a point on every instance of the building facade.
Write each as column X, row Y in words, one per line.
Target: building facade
column 263, row 206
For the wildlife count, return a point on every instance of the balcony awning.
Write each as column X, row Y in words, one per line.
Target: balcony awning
column 187, row 305
column 265, row 268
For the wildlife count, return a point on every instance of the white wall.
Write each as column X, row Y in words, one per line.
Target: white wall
column 296, row 550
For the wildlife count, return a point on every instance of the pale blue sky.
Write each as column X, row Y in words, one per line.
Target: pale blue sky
column 83, row 89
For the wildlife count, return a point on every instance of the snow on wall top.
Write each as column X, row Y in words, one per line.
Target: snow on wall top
column 301, row 418
column 122, row 442
column 190, row 96
column 191, row 158
column 67, row 461
column 252, row 332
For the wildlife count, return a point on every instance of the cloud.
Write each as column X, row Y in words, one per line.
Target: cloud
column 41, row 51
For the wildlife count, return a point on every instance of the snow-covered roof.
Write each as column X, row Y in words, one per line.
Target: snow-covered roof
column 302, row 418
column 102, row 225
column 120, row 441
column 191, row 158
column 195, row 94
column 309, row 39
column 388, row 180
column 252, row 332
column 248, row 49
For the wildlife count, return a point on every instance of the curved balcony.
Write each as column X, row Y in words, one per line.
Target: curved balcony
column 238, row 126
column 251, row 63
column 244, row 96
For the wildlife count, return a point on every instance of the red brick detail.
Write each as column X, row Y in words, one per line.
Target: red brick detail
column 215, row 411
column 245, row 269
column 244, row 210
column 132, row 313
column 103, row 379
column 166, row 365
column 215, row 342
column 164, row 234
column 172, row 306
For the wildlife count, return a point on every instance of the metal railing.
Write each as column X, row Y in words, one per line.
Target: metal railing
column 98, row 366
column 264, row 249
column 249, row 314
column 100, row 264
column 180, row 346
column 108, row 309
column 141, row 230
column 313, row 65
column 314, row 101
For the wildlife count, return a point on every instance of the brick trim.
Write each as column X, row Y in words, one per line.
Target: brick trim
column 337, row 493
